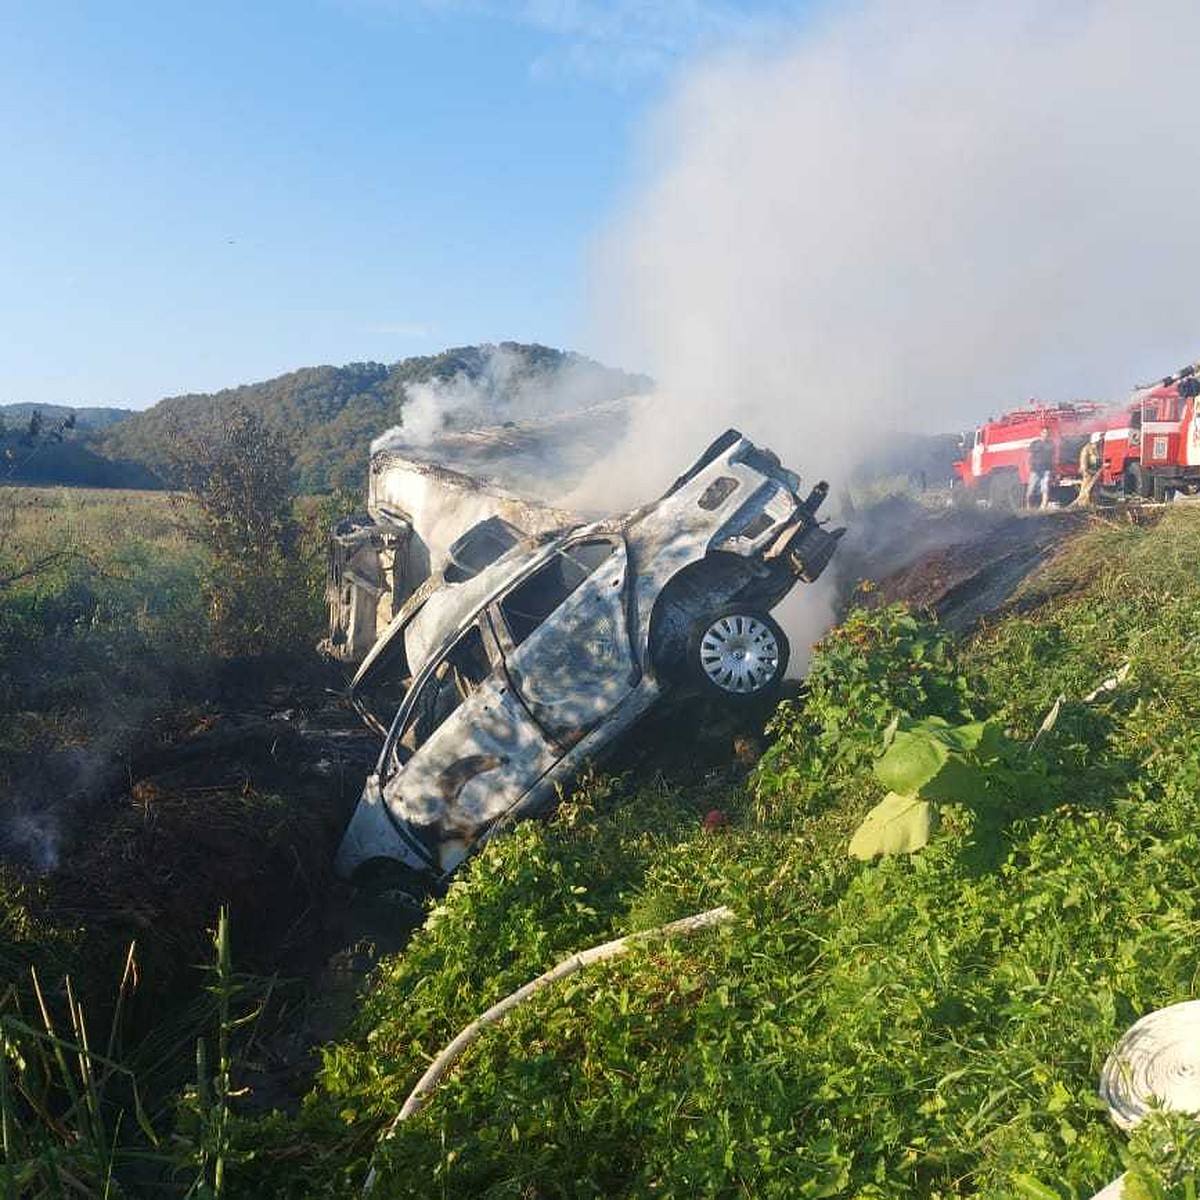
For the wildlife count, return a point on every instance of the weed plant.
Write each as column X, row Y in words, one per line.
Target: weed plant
column 77, row 1119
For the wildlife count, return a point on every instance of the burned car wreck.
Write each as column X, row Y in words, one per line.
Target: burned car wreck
column 528, row 652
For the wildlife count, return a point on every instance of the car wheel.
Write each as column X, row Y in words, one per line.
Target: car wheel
column 738, row 654
column 1006, row 492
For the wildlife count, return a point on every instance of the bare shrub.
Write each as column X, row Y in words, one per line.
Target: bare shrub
column 237, row 475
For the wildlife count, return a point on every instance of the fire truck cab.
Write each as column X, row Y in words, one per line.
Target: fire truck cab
column 1165, row 455
column 1122, row 448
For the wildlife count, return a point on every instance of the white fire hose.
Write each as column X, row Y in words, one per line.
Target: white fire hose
column 1155, row 1065
column 441, row 1065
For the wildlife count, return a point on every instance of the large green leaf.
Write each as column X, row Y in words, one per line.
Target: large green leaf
column 911, row 761
column 939, row 761
column 1033, row 1188
column 896, row 825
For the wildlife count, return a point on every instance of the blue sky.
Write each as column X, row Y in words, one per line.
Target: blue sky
column 199, row 195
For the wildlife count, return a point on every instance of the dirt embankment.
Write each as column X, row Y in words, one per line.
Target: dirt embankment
column 961, row 564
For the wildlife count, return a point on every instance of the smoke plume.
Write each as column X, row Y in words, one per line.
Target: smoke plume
column 510, row 384
column 916, row 215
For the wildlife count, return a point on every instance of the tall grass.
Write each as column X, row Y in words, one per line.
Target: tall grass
column 75, row 1121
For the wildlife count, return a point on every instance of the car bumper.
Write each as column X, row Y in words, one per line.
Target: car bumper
column 372, row 835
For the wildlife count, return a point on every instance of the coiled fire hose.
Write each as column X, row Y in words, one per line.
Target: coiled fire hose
column 441, row 1065
column 1155, row 1065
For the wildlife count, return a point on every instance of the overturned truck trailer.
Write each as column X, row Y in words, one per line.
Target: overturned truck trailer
column 422, row 519
column 504, row 644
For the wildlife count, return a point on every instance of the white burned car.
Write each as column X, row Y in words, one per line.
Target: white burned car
column 527, row 658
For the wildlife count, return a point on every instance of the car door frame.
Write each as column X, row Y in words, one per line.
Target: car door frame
column 543, row 751
column 508, row 647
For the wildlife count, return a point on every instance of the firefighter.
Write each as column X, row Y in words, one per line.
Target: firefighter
column 1091, row 458
column 1041, row 463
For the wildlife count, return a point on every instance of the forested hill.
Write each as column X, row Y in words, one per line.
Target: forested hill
column 330, row 414
column 16, row 417
column 54, row 445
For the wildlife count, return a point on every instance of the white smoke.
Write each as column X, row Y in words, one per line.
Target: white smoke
column 432, row 408
column 508, row 388
column 918, row 214
column 33, row 837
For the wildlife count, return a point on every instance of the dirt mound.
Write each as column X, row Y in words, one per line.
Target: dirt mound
column 960, row 564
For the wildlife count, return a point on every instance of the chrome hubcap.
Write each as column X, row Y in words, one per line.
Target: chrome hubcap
column 739, row 654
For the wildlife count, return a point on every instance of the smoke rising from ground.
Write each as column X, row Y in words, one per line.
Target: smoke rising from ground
column 918, row 214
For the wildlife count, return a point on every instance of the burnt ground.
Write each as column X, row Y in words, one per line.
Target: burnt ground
column 961, row 564
column 236, row 798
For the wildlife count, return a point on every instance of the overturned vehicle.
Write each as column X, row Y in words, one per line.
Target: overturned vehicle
column 528, row 652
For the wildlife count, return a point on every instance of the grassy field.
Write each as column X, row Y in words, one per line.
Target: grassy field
column 104, row 620
column 102, row 628
column 929, row 1025
column 137, row 800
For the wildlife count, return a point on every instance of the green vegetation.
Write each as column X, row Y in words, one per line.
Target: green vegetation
column 76, row 1119
column 52, row 445
column 15, row 418
column 925, row 1025
column 258, row 580
column 927, row 1020
column 95, row 589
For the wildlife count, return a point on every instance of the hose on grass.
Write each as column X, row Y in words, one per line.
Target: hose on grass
column 438, row 1069
column 1155, row 1065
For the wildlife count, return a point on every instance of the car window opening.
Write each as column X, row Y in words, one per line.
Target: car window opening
column 717, row 492
column 459, row 674
column 533, row 600
column 479, row 548
column 759, row 524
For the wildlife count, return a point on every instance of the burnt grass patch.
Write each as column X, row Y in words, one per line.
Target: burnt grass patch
column 234, row 800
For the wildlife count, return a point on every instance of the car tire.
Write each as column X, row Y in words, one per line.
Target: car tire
column 962, row 496
column 738, row 654
column 1006, row 492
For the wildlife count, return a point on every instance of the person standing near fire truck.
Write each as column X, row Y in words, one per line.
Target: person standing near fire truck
column 1090, row 460
column 1041, row 463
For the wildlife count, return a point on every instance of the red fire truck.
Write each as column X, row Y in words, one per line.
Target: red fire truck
column 996, row 457
column 1152, row 445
